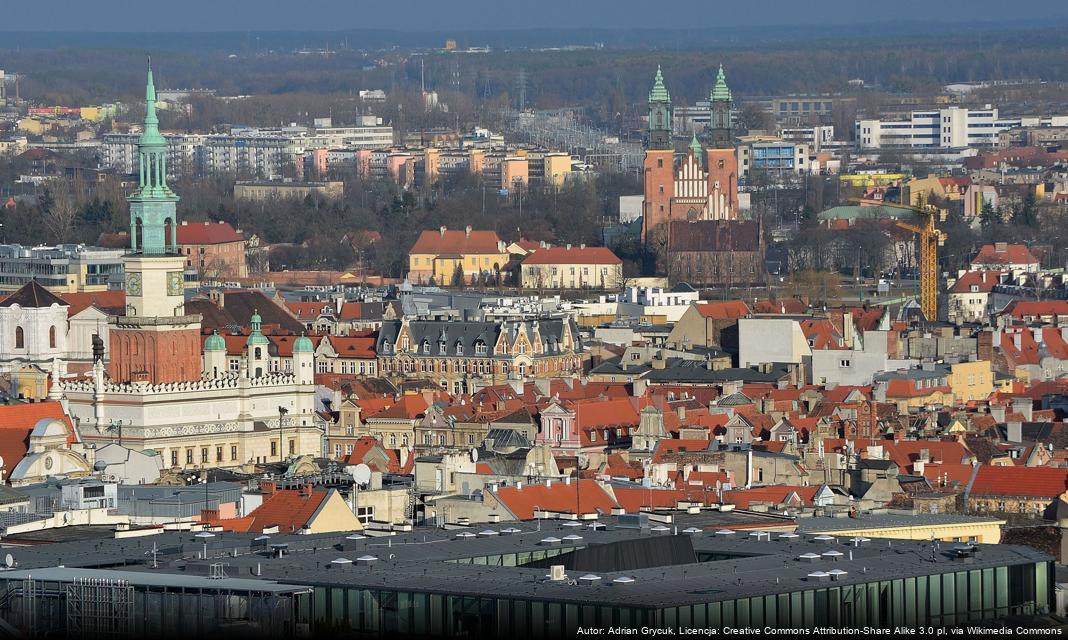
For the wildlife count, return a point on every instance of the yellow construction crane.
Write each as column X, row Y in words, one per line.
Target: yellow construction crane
column 930, row 239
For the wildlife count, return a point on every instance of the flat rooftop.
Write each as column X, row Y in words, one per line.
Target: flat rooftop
column 741, row 563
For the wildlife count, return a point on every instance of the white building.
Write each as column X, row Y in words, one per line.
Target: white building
column 949, row 128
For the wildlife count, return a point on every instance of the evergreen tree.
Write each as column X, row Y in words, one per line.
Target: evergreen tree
column 458, row 276
column 988, row 216
column 1025, row 214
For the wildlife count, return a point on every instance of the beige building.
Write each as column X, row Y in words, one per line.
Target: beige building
column 571, row 267
column 259, row 191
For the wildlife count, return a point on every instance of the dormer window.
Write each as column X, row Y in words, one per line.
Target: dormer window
column 426, row 347
column 442, row 348
column 405, row 343
column 459, row 349
column 480, row 348
column 385, row 346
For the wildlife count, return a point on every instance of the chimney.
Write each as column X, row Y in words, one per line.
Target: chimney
column 997, row 411
column 1014, row 431
column 1023, row 406
column 306, row 490
column 682, row 414
column 442, row 231
column 467, row 231
column 268, row 487
column 569, row 246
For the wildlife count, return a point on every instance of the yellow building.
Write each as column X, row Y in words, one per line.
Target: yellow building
column 923, row 526
column 871, row 179
column 32, row 126
column 515, row 170
column 971, row 380
column 918, row 190
column 443, row 253
column 557, row 168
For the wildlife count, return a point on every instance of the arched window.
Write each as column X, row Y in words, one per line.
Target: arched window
column 258, row 352
column 20, row 338
column 52, row 337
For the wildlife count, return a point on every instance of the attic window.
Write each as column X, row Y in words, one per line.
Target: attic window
column 426, row 346
column 459, row 349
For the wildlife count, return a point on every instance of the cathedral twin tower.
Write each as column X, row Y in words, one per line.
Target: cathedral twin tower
column 704, row 184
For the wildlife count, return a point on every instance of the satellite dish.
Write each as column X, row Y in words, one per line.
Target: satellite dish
column 361, row 474
column 474, row 455
column 9, row 561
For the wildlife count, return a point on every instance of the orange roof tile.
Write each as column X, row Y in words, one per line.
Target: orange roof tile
column 457, row 241
column 725, row 310
column 586, row 496
column 1022, row 482
column 573, row 255
column 17, row 422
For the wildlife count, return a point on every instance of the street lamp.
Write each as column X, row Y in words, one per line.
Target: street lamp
column 282, row 411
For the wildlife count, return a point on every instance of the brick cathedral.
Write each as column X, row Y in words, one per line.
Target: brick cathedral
column 702, row 184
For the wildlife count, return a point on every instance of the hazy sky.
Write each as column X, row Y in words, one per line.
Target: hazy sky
column 436, row 15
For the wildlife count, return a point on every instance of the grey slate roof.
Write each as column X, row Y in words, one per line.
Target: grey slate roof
column 467, row 334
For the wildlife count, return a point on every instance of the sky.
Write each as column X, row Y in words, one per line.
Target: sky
column 468, row 15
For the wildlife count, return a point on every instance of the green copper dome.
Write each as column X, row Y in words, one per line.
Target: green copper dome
column 659, row 92
column 303, row 345
column 721, row 92
column 695, row 145
column 215, row 342
column 256, row 337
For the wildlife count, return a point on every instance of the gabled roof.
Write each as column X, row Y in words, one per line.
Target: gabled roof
column 985, row 281
column 1004, row 254
column 207, row 233
column 237, row 306
column 585, row 496
column 1020, row 482
column 17, row 422
column 288, row 509
column 33, row 296
column 821, row 334
column 457, row 241
column 408, row 407
column 572, row 255
column 110, row 302
column 724, row 310
column 775, row 495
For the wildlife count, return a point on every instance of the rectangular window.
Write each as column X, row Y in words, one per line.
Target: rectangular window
column 274, row 448
column 218, row 454
column 204, row 455
column 233, row 452
column 189, row 456
column 174, row 458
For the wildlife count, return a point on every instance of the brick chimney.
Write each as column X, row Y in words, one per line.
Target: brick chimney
column 306, row 490
column 268, row 487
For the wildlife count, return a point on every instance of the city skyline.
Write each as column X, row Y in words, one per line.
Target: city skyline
column 274, row 15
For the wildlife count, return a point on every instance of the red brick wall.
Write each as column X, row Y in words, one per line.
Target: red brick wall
column 155, row 356
column 659, row 171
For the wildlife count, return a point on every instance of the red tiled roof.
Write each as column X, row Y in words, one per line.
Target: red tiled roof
column 725, row 310
column 573, row 255
column 113, row 302
column 743, row 498
column 288, row 509
column 17, row 422
column 307, row 310
column 1020, row 309
column 456, row 241
column 585, row 495
column 667, row 445
column 1011, row 254
column 984, row 280
column 360, row 347
column 905, row 388
column 207, row 233
column 821, row 334
column 635, row 499
column 1024, row 482
column 408, row 407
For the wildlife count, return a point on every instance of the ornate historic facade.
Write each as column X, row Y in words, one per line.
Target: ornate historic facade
column 462, row 356
column 702, row 184
column 159, row 393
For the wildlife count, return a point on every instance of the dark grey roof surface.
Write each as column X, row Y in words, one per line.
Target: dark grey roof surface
column 420, row 561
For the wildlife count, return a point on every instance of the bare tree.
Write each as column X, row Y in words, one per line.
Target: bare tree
column 61, row 213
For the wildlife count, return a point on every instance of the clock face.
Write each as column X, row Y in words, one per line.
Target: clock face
column 133, row 284
column 175, row 283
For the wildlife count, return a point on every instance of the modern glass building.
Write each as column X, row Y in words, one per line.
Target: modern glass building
column 540, row 580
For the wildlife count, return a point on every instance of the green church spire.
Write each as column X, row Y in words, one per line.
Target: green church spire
column 659, row 92
column 721, row 92
column 153, row 206
column 695, row 145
